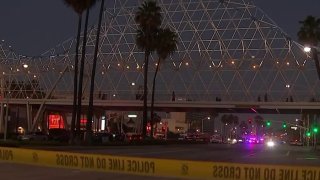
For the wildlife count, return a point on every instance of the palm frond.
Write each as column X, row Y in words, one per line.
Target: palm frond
column 80, row 5
column 309, row 32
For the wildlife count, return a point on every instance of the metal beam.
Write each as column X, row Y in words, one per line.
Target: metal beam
column 36, row 119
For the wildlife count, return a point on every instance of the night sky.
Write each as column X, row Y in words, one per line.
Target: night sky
column 33, row 26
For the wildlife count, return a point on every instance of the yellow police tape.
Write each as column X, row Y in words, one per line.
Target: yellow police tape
column 158, row 167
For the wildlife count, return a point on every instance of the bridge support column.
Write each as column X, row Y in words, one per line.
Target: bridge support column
column 1, row 118
column 28, row 117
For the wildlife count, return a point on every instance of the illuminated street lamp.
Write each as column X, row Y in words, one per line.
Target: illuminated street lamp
column 307, row 49
column 202, row 122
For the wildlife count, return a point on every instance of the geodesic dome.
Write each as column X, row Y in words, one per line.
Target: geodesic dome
column 227, row 49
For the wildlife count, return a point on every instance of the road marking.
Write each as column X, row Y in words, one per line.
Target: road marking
column 288, row 153
column 311, row 158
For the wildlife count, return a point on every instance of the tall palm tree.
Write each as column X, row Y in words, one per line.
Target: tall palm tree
column 226, row 119
column 89, row 4
column 166, row 45
column 79, row 7
column 148, row 18
column 259, row 121
column 213, row 114
column 243, row 127
column 93, row 73
column 235, row 122
column 309, row 34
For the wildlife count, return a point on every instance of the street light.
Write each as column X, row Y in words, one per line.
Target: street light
column 202, row 122
column 307, row 49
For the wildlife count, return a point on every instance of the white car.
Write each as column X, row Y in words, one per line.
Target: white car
column 296, row 143
column 215, row 139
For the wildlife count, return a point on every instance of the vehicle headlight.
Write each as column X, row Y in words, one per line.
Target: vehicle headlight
column 270, row 144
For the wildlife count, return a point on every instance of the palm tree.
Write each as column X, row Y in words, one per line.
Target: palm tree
column 309, row 34
column 167, row 44
column 243, row 126
column 226, row 119
column 93, row 73
column 89, row 4
column 234, row 121
column 259, row 122
column 214, row 114
column 79, row 7
column 148, row 18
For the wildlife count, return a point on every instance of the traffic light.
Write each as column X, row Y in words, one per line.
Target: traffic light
column 250, row 120
column 268, row 123
column 315, row 130
column 308, row 134
column 284, row 125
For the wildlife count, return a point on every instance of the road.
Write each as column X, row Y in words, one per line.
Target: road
column 239, row 153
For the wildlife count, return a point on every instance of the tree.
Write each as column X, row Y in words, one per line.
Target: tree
column 235, row 121
column 79, row 7
column 79, row 10
column 259, row 121
column 148, row 18
column 166, row 45
column 226, row 119
column 93, row 73
column 309, row 34
column 213, row 114
column 83, row 55
column 243, row 127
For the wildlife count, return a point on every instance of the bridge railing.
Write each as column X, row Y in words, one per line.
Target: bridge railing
column 233, row 96
column 182, row 96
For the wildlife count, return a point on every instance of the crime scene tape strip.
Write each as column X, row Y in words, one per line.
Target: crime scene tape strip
column 158, row 167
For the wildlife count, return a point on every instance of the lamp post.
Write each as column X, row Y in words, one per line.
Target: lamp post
column 315, row 132
column 202, row 122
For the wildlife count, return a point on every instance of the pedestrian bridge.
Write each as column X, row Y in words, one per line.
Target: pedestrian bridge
column 184, row 106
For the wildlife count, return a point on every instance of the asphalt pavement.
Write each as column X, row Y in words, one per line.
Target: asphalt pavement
column 237, row 153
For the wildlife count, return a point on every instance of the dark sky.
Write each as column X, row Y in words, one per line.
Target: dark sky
column 33, row 26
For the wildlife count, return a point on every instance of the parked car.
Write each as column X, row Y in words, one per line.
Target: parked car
column 33, row 136
column 296, row 143
column 216, row 139
column 57, row 134
column 133, row 137
column 103, row 137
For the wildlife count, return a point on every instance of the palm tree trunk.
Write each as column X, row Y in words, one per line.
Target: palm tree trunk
column 93, row 73
column 152, row 98
column 81, row 71
column 145, row 94
column 316, row 61
column 75, row 83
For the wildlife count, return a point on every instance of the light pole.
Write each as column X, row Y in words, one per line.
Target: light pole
column 202, row 122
